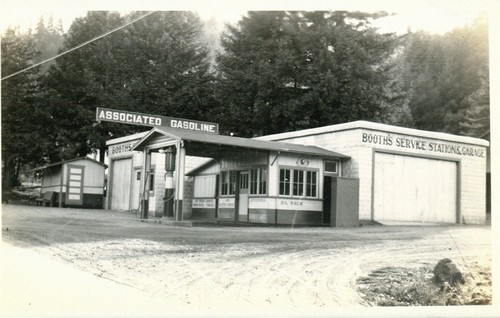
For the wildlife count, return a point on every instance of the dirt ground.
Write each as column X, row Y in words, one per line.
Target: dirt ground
column 209, row 267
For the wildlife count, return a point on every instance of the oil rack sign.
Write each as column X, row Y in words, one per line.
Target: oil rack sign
column 125, row 117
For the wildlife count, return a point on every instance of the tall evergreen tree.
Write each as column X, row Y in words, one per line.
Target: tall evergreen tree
column 476, row 121
column 23, row 121
column 284, row 71
column 48, row 39
column 156, row 65
column 82, row 80
column 447, row 73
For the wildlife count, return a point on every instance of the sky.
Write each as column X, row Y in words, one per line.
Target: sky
column 436, row 16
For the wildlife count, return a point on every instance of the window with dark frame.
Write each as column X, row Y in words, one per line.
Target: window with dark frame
column 285, row 182
column 298, row 183
column 243, row 181
column 311, row 183
column 263, row 181
column 258, row 181
column 228, row 182
column 331, row 166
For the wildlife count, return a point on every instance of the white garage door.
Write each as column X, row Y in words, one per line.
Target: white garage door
column 414, row 189
column 121, row 184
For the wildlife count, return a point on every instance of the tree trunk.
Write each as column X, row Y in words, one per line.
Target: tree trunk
column 9, row 174
column 102, row 152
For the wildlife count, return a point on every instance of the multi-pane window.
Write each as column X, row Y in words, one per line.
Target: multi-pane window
column 258, row 181
column 228, row 182
column 311, row 183
column 244, row 181
column 298, row 183
column 285, row 182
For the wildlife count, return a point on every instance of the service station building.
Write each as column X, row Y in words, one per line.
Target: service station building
column 338, row 175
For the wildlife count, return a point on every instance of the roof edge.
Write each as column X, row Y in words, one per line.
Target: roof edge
column 138, row 145
column 126, row 138
column 60, row 163
column 362, row 124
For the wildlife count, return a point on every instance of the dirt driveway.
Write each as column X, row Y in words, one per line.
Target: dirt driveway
column 231, row 267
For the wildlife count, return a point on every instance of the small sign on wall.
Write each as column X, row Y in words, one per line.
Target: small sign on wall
column 227, row 203
column 389, row 140
column 299, row 204
column 203, row 203
column 121, row 149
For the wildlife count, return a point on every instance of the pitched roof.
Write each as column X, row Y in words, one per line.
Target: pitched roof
column 236, row 142
column 361, row 124
column 60, row 163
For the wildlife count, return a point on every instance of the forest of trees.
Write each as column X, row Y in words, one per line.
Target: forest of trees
column 271, row 72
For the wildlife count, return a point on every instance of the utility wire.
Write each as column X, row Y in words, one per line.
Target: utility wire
column 79, row 46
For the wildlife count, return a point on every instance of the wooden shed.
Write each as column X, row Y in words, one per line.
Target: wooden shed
column 77, row 182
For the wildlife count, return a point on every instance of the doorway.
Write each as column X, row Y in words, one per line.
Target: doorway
column 327, row 200
column 243, row 197
column 136, row 189
column 121, row 174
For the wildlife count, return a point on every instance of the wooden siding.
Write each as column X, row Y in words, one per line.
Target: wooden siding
column 299, row 217
column 203, row 214
column 264, row 216
column 226, row 214
column 239, row 160
column 93, row 179
column 285, row 217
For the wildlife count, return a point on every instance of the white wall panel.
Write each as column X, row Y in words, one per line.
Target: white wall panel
column 414, row 189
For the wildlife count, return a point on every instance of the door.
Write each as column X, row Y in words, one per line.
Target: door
column 243, row 197
column 136, row 189
column 414, row 189
column 327, row 199
column 74, row 185
column 121, row 184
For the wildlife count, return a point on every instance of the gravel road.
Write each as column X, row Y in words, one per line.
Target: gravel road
column 209, row 267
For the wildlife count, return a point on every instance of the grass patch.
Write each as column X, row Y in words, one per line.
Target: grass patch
column 402, row 286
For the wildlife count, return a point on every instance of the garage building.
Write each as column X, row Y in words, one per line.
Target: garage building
column 407, row 174
column 326, row 175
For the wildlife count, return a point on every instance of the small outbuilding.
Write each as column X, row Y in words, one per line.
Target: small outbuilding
column 77, row 182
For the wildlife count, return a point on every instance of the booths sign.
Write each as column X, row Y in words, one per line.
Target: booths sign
column 418, row 144
column 125, row 117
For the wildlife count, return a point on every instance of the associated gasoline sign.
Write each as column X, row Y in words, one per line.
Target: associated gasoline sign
column 125, row 117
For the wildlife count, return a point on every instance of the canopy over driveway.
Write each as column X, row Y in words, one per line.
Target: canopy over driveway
column 194, row 143
column 215, row 146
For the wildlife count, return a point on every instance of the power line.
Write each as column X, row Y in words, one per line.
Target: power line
column 79, row 46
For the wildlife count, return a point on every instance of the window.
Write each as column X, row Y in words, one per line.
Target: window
column 331, row 166
column 311, row 185
column 228, row 186
column 300, row 183
column 138, row 176
column 258, row 181
column 284, row 182
column 262, row 181
column 243, row 181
